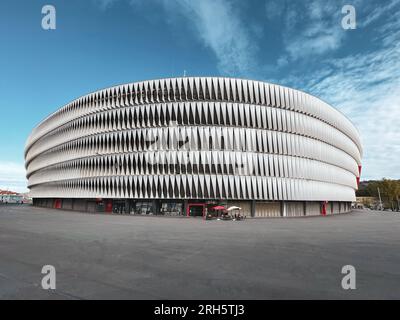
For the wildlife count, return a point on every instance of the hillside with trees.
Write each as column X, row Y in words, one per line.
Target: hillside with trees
column 389, row 191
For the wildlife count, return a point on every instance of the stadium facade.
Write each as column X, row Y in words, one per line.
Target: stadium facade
column 176, row 146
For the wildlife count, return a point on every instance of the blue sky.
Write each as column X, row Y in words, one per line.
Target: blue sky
column 99, row 43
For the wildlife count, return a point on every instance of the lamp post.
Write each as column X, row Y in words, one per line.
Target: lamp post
column 380, row 200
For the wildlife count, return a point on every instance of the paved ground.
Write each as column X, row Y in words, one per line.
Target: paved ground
column 126, row 257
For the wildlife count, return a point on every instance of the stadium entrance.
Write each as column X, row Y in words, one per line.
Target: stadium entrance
column 196, row 209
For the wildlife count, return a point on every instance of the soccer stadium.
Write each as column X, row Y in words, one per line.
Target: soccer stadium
column 185, row 146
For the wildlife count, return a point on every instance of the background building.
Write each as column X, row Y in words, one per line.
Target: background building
column 7, row 196
column 366, row 202
column 175, row 146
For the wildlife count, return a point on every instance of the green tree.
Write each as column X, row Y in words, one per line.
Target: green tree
column 391, row 191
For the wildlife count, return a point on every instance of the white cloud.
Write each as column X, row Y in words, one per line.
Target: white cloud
column 105, row 4
column 314, row 41
column 218, row 25
column 389, row 32
column 282, row 61
column 378, row 12
column 275, row 9
column 220, row 28
column 313, row 29
column 12, row 177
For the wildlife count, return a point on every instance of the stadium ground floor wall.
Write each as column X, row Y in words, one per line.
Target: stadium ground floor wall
column 178, row 207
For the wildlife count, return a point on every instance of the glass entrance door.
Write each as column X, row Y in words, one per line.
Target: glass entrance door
column 196, row 210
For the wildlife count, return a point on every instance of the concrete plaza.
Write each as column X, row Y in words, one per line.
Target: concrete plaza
column 99, row 256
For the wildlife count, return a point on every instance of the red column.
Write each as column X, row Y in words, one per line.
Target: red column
column 109, row 206
column 323, row 208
